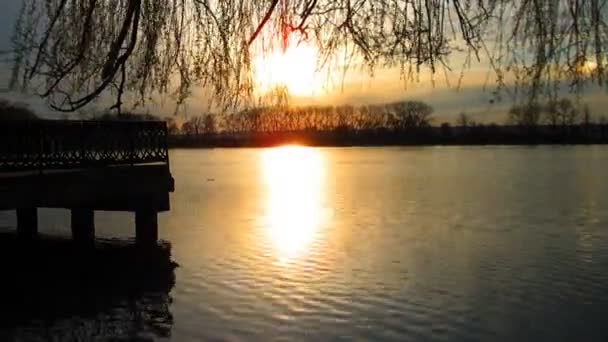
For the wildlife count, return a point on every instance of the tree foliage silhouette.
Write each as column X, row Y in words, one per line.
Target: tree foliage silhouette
column 73, row 52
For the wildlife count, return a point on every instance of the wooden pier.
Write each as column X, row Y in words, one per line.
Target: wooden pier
column 85, row 166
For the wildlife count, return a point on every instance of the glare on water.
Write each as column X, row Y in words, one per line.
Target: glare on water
column 293, row 177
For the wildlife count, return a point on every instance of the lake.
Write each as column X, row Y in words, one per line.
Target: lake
column 383, row 244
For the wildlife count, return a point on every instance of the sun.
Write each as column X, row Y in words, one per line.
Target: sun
column 587, row 67
column 293, row 68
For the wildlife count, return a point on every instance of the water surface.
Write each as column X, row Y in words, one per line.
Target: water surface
column 386, row 244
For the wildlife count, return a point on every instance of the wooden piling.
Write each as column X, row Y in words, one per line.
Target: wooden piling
column 146, row 227
column 83, row 226
column 27, row 222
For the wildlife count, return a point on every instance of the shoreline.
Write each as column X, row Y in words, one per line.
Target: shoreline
column 197, row 146
column 425, row 136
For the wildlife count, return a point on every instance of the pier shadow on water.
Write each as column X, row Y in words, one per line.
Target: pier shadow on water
column 54, row 290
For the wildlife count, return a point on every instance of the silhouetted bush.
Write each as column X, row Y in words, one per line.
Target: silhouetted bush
column 9, row 111
column 127, row 117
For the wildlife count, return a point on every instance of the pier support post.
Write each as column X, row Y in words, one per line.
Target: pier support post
column 83, row 226
column 146, row 227
column 27, row 222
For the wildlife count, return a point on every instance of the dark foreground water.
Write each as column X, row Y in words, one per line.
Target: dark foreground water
column 386, row 244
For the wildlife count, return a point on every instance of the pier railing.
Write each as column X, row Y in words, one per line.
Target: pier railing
column 67, row 144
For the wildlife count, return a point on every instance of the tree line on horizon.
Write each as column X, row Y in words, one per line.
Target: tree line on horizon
column 561, row 112
column 403, row 122
column 403, row 115
column 395, row 116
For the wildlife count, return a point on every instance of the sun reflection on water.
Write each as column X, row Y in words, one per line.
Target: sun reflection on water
column 293, row 177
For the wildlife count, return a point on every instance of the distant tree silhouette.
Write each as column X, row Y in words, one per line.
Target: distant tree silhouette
column 463, row 120
column 527, row 115
column 411, row 114
column 400, row 123
column 551, row 113
column 194, row 126
column 603, row 123
column 172, row 127
column 9, row 111
column 586, row 116
column 568, row 114
column 398, row 116
column 446, row 130
column 209, row 125
column 127, row 117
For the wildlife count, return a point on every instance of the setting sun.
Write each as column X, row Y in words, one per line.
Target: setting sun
column 587, row 67
column 294, row 68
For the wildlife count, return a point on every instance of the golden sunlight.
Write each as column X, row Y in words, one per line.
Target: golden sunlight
column 293, row 176
column 294, row 68
column 587, row 67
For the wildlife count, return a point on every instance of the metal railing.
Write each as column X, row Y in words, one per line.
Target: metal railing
column 66, row 144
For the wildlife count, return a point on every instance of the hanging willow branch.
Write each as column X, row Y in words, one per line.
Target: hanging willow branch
column 74, row 52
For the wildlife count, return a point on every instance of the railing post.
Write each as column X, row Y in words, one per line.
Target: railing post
column 131, row 134
column 166, row 143
column 82, row 147
column 39, row 132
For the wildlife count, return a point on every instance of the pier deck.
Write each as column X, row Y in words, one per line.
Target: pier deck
column 85, row 166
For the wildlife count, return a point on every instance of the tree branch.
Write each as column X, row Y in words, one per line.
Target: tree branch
column 261, row 25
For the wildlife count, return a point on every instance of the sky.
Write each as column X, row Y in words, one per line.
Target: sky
column 473, row 96
column 8, row 11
